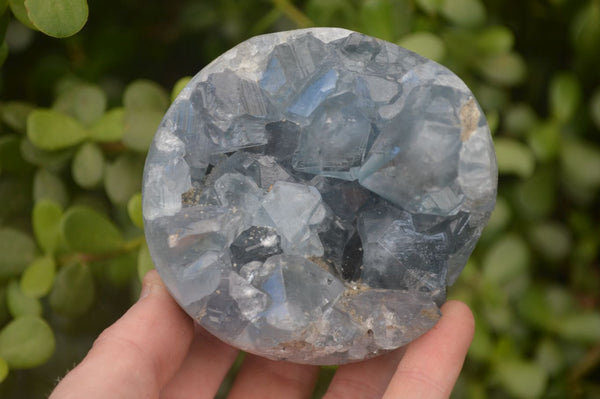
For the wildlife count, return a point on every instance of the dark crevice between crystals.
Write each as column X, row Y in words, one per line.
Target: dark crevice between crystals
column 352, row 259
column 255, row 244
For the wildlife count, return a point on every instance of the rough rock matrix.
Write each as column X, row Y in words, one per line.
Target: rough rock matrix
column 310, row 194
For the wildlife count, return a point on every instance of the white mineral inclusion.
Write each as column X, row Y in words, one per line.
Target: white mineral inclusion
column 310, row 194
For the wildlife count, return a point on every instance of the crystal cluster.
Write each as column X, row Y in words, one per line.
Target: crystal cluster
column 310, row 194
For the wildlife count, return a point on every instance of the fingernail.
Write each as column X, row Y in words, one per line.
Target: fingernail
column 146, row 289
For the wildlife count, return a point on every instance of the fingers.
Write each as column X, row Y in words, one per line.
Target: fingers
column 202, row 371
column 432, row 363
column 138, row 354
column 364, row 380
column 264, row 379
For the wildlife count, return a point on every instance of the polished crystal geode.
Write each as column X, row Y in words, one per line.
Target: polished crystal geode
column 310, row 194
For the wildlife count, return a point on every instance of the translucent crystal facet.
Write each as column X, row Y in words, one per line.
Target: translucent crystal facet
column 310, row 194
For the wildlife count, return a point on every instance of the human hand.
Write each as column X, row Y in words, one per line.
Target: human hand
column 156, row 351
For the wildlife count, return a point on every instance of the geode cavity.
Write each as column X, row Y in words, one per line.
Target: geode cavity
column 310, row 194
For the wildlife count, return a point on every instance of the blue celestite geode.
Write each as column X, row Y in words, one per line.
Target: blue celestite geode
column 310, row 194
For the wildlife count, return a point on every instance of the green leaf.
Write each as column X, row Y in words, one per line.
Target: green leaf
column 585, row 30
column 495, row 40
column 123, row 178
column 53, row 160
column 549, row 356
column 536, row 196
column 552, row 240
column 4, row 313
column 51, row 130
column 580, row 162
column 142, row 95
column 426, row 44
column 564, row 96
column 514, row 157
column 535, row 309
column 544, row 139
column 84, row 102
column 15, row 113
column 47, row 186
column 74, row 291
column 519, row 118
column 134, row 209
column 10, row 154
column 140, row 127
column 121, row 269
column 20, row 12
column 38, row 278
column 464, row 13
column 482, row 346
column 376, row 16
column 3, row 52
column 144, row 264
column 20, row 304
column 506, row 259
column 430, row 6
column 595, row 108
column 500, row 218
column 85, row 230
column 506, row 69
column 3, row 369
column 583, row 327
column 179, row 85
column 87, row 168
column 26, row 342
column 490, row 97
column 110, row 127
column 58, row 18
column 17, row 251
column 522, row 379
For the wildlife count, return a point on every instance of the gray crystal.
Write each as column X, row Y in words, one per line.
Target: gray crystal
column 310, row 194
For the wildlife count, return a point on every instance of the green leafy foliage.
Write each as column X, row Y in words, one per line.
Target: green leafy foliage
column 85, row 230
column 426, row 44
column 134, row 209
column 15, row 113
column 76, row 121
column 565, row 96
column 464, row 13
column 514, row 157
column 524, row 380
column 74, row 291
column 179, row 85
column 48, row 186
column 38, row 278
column 123, row 178
column 84, row 102
column 17, row 251
column 144, row 95
column 583, row 327
column 19, row 304
column 20, row 12
column 3, row 369
column 26, row 342
column 110, row 126
column 145, row 263
column 87, row 168
column 51, row 130
column 57, row 18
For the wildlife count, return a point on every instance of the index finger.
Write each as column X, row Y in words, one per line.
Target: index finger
column 136, row 356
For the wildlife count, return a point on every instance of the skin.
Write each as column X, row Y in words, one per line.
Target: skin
column 156, row 351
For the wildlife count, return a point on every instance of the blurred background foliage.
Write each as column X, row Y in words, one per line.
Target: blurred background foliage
column 79, row 108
